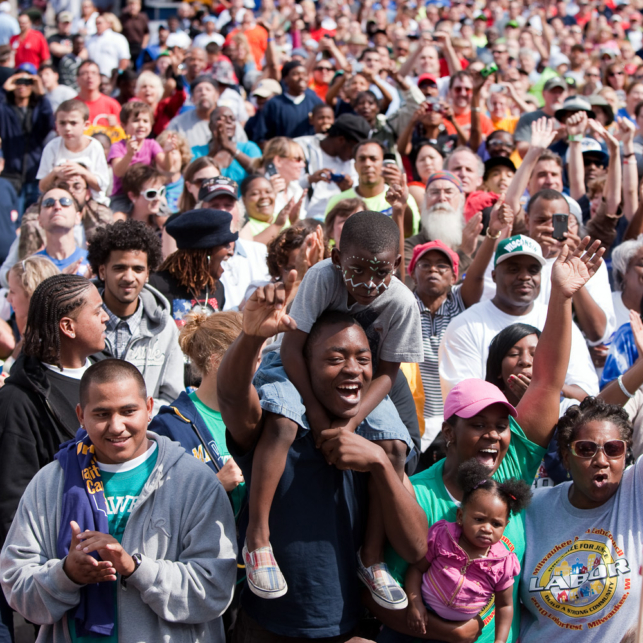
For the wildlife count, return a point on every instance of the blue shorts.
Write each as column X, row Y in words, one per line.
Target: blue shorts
column 279, row 395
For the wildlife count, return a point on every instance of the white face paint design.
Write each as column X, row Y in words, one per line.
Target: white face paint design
column 375, row 265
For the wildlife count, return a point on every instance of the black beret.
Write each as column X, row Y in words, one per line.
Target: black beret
column 201, row 229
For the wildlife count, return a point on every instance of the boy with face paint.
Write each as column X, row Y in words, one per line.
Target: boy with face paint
column 358, row 280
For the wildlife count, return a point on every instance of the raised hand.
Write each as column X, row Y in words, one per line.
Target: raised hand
column 637, row 331
column 133, row 146
column 625, row 130
column 398, row 192
column 572, row 270
column 108, row 548
column 82, row 568
column 542, row 133
column 470, row 234
column 313, row 252
column 577, row 124
column 501, row 217
column 601, row 133
column 264, row 314
column 518, row 384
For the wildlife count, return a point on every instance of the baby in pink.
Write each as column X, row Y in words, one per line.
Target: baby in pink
column 466, row 565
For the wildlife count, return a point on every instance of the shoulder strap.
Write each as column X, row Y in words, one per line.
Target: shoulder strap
column 210, row 446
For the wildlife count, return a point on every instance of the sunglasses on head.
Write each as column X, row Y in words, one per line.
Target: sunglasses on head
column 65, row 201
column 588, row 449
column 152, row 194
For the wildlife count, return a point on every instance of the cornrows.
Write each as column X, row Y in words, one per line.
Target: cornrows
column 53, row 299
column 191, row 268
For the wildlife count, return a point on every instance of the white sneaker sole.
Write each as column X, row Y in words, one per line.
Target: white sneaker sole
column 382, row 602
column 267, row 594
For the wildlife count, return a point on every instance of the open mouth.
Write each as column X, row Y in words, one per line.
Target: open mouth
column 600, row 479
column 349, row 392
column 120, row 441
column 487, row 457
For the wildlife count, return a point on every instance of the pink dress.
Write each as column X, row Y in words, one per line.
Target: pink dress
column 146, row 155
column 456, row 587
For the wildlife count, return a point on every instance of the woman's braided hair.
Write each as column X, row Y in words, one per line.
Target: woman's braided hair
column 191, row 268
column 53, row 299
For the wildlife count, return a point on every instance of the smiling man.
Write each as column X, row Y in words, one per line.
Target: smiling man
column 140, row 328
column 517, row 274
column 122, row 505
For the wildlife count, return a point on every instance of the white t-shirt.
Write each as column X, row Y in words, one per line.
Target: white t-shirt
column 203, row 40
column 580, row 575
column 92, row 157
column 465, row 346
column 247, row 264
column 107, row 50
column 598, row 287
column 60, row 94
column 620, row 310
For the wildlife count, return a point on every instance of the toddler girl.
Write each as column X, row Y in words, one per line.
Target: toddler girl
column 466, row 564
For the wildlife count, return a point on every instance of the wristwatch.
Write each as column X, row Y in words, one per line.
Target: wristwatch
column 137, row 563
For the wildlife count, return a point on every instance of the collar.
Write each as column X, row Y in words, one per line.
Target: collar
column 239, row 249
column 424, row 309
column 133, row 321
column 295, row 99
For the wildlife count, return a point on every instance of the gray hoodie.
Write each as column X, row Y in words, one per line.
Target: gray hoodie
column 182, row 525
column 155, row 351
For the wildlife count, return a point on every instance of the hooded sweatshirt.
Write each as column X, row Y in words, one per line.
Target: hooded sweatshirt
column 31, row 431
column 181, row 525
column 155, row 351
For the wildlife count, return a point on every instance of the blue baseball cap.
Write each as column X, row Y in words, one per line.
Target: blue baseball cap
column 30, row 68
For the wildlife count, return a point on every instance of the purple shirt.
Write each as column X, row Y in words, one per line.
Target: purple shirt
column 146, row 154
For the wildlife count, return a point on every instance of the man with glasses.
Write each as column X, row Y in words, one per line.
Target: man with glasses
column 460, row 94
column 500, row 55
column 322, row 75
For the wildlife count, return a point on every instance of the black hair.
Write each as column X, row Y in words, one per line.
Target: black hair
column 319, row 106
column 500, row 345
column 124, row 235
column 546, row 194
column 329, row 318
column 366, row 94
column 368, row 141
column 372, row 231
column 498, row 132
column 245, row 184
column 367, row 50
column 53, row 299
column 109, row 370
column 415, row 152
column 474, row 477
column 127, row 76
column 591, row 409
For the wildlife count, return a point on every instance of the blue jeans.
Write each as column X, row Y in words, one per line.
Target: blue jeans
column 277, row 394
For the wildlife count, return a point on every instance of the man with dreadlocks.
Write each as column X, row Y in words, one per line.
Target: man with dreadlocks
column 189, row 278
column 65, row 326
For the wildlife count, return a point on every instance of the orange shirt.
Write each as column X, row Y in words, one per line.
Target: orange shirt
column 258, row 41
column 464, row 121
column 320, row 89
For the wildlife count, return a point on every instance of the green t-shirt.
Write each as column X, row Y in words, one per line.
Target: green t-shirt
column 257, row 227
column 521, row 461
column 123, row 484
column 214, row 422
column 377, row 204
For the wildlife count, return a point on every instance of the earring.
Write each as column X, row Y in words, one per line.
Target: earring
column 448, row 444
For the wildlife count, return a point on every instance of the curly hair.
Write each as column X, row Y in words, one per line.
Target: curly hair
column 191, row 268
column 343, row 209
column 53, row 299
column 474, row 477
column 124, row 235
column 288, row 240
column 591, row 409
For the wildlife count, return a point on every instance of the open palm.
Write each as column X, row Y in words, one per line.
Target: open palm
column 264, row 314
column 572, row 271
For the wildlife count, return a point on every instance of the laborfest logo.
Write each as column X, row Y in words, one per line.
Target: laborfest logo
column 577, row 581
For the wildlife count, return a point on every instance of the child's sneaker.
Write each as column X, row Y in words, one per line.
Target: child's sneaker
column 264, row 576
column 383, row 587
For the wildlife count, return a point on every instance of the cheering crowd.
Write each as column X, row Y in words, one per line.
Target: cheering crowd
column 321, row 320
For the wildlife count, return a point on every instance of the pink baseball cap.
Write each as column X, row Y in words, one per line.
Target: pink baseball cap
column 442, row 247
column 471, row 396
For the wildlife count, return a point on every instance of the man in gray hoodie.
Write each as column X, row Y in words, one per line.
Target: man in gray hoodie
column 164, row 560
column 140, row 329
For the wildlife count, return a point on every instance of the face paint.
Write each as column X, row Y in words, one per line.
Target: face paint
column 370, row 285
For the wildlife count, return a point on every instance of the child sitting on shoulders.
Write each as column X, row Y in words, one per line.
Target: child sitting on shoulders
column 466, row 564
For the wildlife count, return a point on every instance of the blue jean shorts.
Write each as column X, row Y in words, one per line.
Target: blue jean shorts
column 280, row 396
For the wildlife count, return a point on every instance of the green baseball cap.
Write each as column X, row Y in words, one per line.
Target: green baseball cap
column 518, row 245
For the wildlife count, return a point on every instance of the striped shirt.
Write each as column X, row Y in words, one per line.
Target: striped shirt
column 119, row 331
column 433, row 329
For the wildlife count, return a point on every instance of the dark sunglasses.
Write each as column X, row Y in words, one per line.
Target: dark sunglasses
column 24, row 81
column 65, row 201
column 588, row 449
column 323, row 69
column 616, row 73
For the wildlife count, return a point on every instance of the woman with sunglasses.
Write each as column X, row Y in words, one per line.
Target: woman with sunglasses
column 614, row 77
column 199, row 170
column 144, row 186
column 580, row 578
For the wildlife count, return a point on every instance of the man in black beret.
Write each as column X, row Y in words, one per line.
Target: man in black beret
column 189, row 277
column 287, row 114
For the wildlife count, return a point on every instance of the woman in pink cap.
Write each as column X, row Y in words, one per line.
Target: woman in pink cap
column 481, row 425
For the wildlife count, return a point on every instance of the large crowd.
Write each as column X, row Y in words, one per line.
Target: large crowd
column 321, row 320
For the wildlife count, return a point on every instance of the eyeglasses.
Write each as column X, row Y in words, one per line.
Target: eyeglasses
column 440, row 267
column 297, row 159
column 616, row 73
column 323, row 69
column 588, row 449
column 150, row 195
column 64, row 201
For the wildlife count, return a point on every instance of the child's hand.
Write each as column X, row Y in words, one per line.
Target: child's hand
column 416, row 618
column 171, row 143
column 398, row 193
column 133, row 146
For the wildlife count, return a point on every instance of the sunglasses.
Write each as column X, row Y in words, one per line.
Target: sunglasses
column 65, row 201
column 150, row 195
column 323, row 69
column 588, row 449
column 24, row 81
column 616, row 73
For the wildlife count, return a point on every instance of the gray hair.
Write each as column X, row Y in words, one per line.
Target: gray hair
column 468, row 150
column 621, row 257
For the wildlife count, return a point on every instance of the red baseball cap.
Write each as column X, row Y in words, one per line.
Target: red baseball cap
column 471, row 396
column 442, row 247
column 430, row 77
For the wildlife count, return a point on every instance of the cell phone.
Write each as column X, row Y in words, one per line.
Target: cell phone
column 337, row 178
column 271, row 170
column 561, row 225
column 433, row 105
column 496, row 88
column 389, row 159
column 488, row 70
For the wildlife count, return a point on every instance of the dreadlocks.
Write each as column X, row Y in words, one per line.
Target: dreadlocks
column 52, row 300
column 191, row 268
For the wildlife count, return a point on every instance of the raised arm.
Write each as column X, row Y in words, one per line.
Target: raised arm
column 263, row 316
column 538, row 410
column 576, row 126
column 612, row 190
column 630, row 175
column 334, row 89
column 453, row 62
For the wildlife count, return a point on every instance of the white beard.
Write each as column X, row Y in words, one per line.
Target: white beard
column 442, row 222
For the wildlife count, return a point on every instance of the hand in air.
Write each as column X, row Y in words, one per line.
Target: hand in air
column 265, row 312
column 572, row 270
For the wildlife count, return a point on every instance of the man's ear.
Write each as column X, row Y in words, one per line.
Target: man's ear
column 336, row 256
column 398, row 260
column 88, row 124
column 493, row 275
column 310, row 117
column 101, row 272
column 67, row 327
column 80, row 414
column 150, row 406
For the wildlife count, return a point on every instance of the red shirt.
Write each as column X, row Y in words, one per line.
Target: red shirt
column 444, row 66
column 102, row 106
column 33, row 48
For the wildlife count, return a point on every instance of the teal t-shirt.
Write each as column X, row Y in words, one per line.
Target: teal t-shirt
column 521, row 461
column 123, row 484
column 214, row 422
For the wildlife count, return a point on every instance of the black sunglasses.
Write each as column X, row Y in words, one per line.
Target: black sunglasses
column 65, row 201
